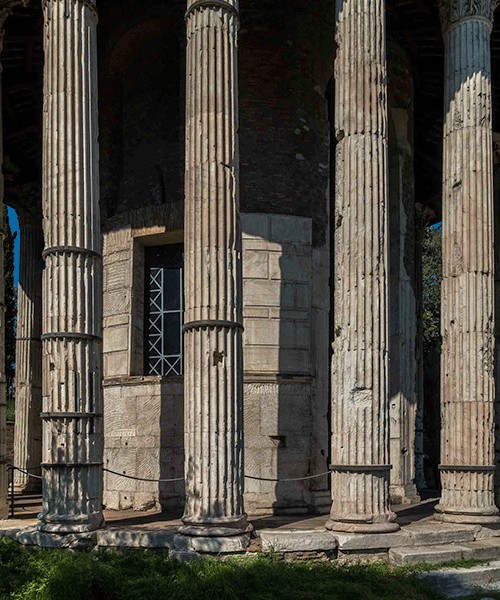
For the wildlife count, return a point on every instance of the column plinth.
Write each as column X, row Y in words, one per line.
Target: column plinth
column 467, row 327
column 360, row 406
column 213, row 277
column 72, row 279
column 28, row 426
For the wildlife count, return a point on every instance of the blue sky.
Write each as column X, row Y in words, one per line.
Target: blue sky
column 14, row 224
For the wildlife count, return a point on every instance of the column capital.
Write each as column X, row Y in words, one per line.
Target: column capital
column 454, row 11
column 229, row 5
column 90, row 4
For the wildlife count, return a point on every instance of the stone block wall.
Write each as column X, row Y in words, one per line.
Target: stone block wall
column 277, row 279
column 144, row 415
column 118, row 265
column 144, row 437
column 277, row 294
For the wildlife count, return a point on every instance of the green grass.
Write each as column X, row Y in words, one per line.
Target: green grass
column 141, row 575
column 136, row 575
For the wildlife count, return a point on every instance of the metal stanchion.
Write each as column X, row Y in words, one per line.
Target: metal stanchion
column 12, row 498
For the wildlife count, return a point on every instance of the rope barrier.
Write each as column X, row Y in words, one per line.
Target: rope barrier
column 143, row 478
column 285, row 479
column 25, row 471
column 177, row 479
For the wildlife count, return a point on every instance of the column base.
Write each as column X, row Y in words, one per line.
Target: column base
column 385, row 525
column 474, row 517
column 215, row 527
column 62, row 527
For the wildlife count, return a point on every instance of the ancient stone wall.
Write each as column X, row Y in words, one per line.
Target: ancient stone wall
column 144, row 415
column 285, row 65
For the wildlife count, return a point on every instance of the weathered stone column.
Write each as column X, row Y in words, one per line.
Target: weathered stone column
column 360, row 404
column 423, row 216
column 496, row 217
column 72, row 286
column 28, row 426
column 5, row 9
column 213, row 380
column 402, row 280
column 467, row 369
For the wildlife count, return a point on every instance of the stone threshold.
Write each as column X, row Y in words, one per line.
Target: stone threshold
column 427, row 542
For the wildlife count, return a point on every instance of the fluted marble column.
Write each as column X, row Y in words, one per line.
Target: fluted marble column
column 28, row 426
column 467, row 369
column 402, row 280
column 423, row 218
column 213, row 382
column 360, row 406
column 72, row 286
column 5, row 9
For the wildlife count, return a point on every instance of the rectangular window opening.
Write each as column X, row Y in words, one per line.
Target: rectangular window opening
column 164, row 305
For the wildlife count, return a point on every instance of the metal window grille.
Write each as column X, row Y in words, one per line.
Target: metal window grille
column 164, row 310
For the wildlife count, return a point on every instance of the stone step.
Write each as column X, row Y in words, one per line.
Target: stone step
column 433, row 534
column 488, row 549
column 456, row 583
column 297, row 541
column 136, row 538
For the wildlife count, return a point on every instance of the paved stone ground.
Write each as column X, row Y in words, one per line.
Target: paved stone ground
column 420, row 540
column 28, row 506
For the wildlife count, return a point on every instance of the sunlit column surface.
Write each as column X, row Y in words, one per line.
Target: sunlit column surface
column 72, row 286
column 467, row 326
column 213, row 382
column 360, row 403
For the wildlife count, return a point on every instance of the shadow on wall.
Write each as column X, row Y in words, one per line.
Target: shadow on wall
column 280, row 395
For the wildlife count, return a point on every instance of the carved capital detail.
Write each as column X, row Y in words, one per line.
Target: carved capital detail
column 454, row 11
column 90, row 4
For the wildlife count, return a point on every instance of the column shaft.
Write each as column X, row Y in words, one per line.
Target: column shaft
column 360, row 407
column 5, row 9
column 3, row 378
column 28, row 427
column 213, row 278
column 403, row 350
column 402, row 280
column 72, row 286
column 423, row 217
column 467, row 370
